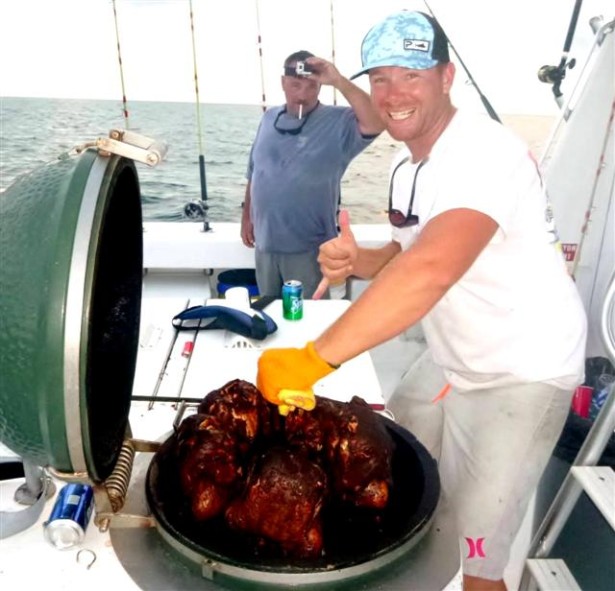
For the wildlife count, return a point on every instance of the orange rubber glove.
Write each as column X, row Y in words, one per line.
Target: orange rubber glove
column 286, row 376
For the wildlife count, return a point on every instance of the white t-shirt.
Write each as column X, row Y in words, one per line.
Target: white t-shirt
column 515, row 316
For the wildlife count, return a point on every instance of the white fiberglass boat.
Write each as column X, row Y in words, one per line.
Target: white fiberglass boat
column 94, row 373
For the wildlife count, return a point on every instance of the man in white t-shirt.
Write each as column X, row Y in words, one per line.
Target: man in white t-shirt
column 473, row 257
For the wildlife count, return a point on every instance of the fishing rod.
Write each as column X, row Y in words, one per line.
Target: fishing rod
column 333, row 47
column 555, row 75
column 119, row 57
column 200, row 209
column 259, row 43
column 483, row 98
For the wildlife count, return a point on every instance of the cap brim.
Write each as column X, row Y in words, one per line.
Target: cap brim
column 425, row 64
column 359, row 73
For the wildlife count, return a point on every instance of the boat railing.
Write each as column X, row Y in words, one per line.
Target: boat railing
column 583, row 476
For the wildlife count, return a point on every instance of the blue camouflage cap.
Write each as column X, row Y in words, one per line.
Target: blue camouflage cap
column 408, row 39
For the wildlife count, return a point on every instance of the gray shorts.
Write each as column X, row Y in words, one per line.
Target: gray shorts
column 492, row 446
column 273, row 269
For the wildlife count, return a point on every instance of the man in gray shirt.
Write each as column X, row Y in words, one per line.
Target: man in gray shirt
column 297, row 161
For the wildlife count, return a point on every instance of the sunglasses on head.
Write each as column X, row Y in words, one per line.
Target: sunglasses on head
column 397, row 217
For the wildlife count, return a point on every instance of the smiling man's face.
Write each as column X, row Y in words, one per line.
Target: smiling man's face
column 412, row 102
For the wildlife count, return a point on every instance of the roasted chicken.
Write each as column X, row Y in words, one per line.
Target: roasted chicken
column 270, row 476
column 241, row 411
column 281, row 502
column 209, row 464
column 353, row 444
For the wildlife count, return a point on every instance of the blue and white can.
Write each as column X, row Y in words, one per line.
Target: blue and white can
column 70, row 516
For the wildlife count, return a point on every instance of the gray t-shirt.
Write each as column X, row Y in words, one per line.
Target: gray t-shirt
column 295, row 178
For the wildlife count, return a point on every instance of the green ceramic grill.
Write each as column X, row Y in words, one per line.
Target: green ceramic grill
column 71, row 259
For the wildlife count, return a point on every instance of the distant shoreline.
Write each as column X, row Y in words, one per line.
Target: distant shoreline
column 534, row 129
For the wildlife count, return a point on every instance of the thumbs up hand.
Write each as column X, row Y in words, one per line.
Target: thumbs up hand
column 337, row 256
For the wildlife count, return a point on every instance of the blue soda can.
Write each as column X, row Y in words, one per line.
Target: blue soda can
column 292, row 300
column 70, row 516
column 605, row 383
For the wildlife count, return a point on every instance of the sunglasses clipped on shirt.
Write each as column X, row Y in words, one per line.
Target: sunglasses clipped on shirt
column 285, row 123
column 397, row 217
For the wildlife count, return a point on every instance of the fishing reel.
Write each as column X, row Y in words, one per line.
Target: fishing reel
column 196, row 210
column 554, row 75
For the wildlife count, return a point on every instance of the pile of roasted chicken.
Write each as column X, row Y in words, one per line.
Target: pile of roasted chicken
column 270, row 476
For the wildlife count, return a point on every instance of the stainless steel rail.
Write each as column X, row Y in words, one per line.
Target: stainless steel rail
column 595, row 443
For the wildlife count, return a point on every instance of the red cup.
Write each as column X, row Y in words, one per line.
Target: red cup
column 582, row 400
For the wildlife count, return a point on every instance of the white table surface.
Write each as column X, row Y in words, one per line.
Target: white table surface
column 217, row 359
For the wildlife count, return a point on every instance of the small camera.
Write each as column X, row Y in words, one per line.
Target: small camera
column 302, row 69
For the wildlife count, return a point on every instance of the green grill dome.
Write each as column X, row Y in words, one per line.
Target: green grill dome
column 71, row 261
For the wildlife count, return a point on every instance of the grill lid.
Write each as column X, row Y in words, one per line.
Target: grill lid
column 70, row 295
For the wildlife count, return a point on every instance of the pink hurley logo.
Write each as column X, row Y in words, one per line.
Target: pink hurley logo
column 475, row 548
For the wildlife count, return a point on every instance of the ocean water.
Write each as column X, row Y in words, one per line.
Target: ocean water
column 34, row 131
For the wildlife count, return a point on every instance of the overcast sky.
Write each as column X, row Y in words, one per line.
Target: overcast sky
column 67, row 48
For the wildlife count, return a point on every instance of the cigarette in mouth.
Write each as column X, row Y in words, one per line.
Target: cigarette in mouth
column 300, row 111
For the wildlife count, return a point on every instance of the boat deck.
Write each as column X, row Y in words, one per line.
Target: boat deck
column 165, row 371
